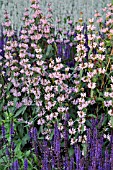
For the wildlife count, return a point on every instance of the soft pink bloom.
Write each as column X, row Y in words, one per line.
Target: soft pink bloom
column 99, row 20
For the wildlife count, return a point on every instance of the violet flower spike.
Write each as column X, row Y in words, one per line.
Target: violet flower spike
column 25, row 164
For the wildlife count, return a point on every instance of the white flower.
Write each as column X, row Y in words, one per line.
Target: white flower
column 111, row 86
column 82, row 121
column 38, row 50
column 80, row 139
column 51, row 65
column 60, row 109
column 91, row 27
column 106, row 94
column 58, row 60
column 109, row 123
column 90, row 65
column 105, row 136
column 112, row 79
column 70, row 122
column 83, row 152
column 108, row 137
column 72, row 131
column 83, row 94
column 79, row 28
column 81, row 114
column 73, row 141
column 110, row 112
column 67, row 69
column 91, row 85
column 47, row 137
column 62, row 136
column 111, row 95
column 91, row 20
column 55, row 115
column 60, row 126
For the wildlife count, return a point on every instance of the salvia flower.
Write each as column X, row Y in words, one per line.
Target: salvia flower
column 15, row 165
column 3, row 132
column 11, row 130
column 25, row 164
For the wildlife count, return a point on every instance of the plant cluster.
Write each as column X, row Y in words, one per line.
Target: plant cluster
column 52, row 89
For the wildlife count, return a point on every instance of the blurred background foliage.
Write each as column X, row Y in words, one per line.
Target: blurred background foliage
column 61, row 9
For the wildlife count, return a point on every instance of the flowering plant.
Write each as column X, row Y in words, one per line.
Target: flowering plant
column 54, row 98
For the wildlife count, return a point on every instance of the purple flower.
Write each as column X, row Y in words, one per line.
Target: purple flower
column 12, row 146
column 53, row 162
column 7, row 152
column 15, row 165
column 11, row 130
column 106, row 161
column 77, row 156
column 60, row 51
column 3, row 132
column 35, row 134
column 25, row 164
column 72, row 163
column 2, row 42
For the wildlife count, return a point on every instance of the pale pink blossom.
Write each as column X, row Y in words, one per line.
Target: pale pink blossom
column 91, row 85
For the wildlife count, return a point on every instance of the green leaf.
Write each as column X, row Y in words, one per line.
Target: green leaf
column 49, row 50
column 65, row 20
column 18, row 147
column 71, row 152
column 27, row 153
column 15, row 100
column 35, row 117
column 25, row 139
column 9, row 86
column 91, row 115
column 84, row 145
column 111, row 118
column 59, row 89
column 105, row 120
column 51, row 136
column 100, row 99
column 81, row 71
column 11, row 109
column 108, row 43
column 88, row 123
column 21, row 111
column 92, row 93
column 1, row 104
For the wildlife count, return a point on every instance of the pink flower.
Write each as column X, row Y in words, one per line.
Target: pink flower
column 80, row 37
column 97, row 14
column 99, row 20
column 79, row 28
column 108, row 103
column 38, row 36
column 41, row 121
column 111, row 31
column 7, row 24
column 43, row 21
column 70, row 22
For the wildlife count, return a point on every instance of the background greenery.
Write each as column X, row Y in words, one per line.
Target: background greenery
column 60, row 9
